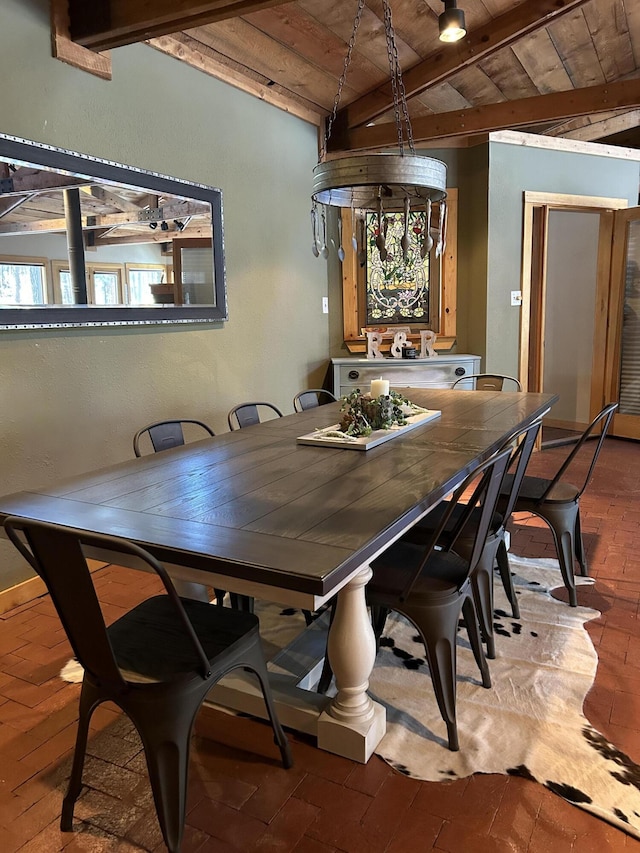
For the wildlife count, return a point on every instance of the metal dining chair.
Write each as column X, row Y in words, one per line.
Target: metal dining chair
column 248, row 414
column 520, row 444
column 164, row 435
column 157, row 662
column 490, row 382
column 312, row 398
column 558, row 502
column 430, row 585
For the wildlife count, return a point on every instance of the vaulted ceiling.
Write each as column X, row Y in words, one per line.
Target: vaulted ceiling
column 568, row 68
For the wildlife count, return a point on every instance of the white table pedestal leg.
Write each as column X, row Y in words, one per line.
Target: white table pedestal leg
column 353, row 724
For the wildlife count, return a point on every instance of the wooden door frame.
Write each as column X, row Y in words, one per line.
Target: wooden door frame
column 533, row 284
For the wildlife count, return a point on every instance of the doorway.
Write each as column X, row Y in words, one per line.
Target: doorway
column 566, row 284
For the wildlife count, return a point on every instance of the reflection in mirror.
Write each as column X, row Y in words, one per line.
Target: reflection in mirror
column 86, row 241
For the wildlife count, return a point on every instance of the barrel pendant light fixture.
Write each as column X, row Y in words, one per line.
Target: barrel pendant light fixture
column 381, row 181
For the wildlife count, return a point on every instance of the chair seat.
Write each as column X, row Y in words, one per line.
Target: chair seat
column 150, row 641
column 533, row 488
column 443, row 575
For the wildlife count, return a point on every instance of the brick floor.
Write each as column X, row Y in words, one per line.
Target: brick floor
column 240, row 798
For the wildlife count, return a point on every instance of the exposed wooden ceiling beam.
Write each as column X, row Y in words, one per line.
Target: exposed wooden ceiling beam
column 496, row 34
column 103, row 24
column 608, row 125
column 153, row 236
column 503, row 116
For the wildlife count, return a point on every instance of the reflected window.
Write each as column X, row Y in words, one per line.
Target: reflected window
column 140, row 279
column 23, row 283
column 104, row 284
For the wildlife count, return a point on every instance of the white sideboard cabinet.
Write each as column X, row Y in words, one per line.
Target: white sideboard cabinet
column 439, row 371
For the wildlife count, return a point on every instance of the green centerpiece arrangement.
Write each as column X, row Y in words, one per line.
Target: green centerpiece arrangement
column 367, row 421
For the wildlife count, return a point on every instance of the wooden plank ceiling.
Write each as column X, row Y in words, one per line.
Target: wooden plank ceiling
column 565, row 68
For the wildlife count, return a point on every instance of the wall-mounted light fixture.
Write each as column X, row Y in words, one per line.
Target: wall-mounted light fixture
column 451, row 22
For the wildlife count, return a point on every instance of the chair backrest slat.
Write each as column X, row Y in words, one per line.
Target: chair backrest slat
column 247, row 414
column 602, row 420
column 311, row 399
column 166, row 434
column 486, row 480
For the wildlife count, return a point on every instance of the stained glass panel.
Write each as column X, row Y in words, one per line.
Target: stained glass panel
column 397, row 291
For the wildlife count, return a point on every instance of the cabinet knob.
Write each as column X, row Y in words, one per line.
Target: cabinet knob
column 460, row 371
column 353, row 374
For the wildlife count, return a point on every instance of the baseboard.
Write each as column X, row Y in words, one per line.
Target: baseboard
column 30, row 589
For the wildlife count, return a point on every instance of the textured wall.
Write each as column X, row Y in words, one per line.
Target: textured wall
column 71, row 400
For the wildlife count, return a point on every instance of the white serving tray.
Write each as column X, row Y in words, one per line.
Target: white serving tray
column 366, row 442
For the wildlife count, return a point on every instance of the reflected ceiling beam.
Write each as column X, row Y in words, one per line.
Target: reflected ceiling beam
column 116, row 200
column 25, row 179
column 508, row 115
column 168, row 212
column 11, row 203
column 154, row 236
column 103, row 24
column 524, row 19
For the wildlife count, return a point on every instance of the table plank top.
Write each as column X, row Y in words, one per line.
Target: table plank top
column 254, row 504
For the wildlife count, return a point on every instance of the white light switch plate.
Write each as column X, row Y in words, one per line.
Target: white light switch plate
column 325, row 304
column 516, row 297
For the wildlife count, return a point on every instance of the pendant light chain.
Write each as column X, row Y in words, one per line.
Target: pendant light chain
column 397, row 83
column 343, row 77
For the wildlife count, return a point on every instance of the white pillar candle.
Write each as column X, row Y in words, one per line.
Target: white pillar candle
column 379, row 388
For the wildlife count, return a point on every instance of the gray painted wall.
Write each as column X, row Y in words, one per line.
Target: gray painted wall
column 71, row 400
column 512, row 170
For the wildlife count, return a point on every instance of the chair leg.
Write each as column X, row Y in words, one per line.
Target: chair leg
column 482, row 585
column 88, row 701
column 471, row 621
column 438, row 627
column 562, row 521
column 504, row 568
column 327, row 672
column 165, row 731
column 258, row 666
column 579, row 545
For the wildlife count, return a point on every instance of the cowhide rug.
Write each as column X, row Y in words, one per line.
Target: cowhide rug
column 530, row 723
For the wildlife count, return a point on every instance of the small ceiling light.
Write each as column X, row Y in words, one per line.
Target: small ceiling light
column 179, row 225
column 153, row 225
column 451, row 22
column 164, row 226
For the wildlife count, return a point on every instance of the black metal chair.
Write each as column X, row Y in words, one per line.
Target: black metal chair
column 558, row 501
column 521, row 444
column 164, row 435
column 490, row 382
column 312, row 398
column 157, row 662
column 248, row 414
column 432, row 588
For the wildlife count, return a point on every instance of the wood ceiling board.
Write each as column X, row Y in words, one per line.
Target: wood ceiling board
column 443, row 98
column 572, row 40
column 294, row 28
column 205, row 59
column 247, row 45
column 506, row 71
column 477, row 87
column 607, row 24
column 539, row 58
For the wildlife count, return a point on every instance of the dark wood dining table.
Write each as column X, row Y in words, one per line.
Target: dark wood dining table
column 255, row 512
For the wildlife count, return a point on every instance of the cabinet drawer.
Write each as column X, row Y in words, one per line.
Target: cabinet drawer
column 432, row 375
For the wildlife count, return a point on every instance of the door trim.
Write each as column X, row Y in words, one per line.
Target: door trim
column 533, row 284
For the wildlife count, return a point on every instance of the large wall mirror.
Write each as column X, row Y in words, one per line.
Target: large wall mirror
column 86, row 241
